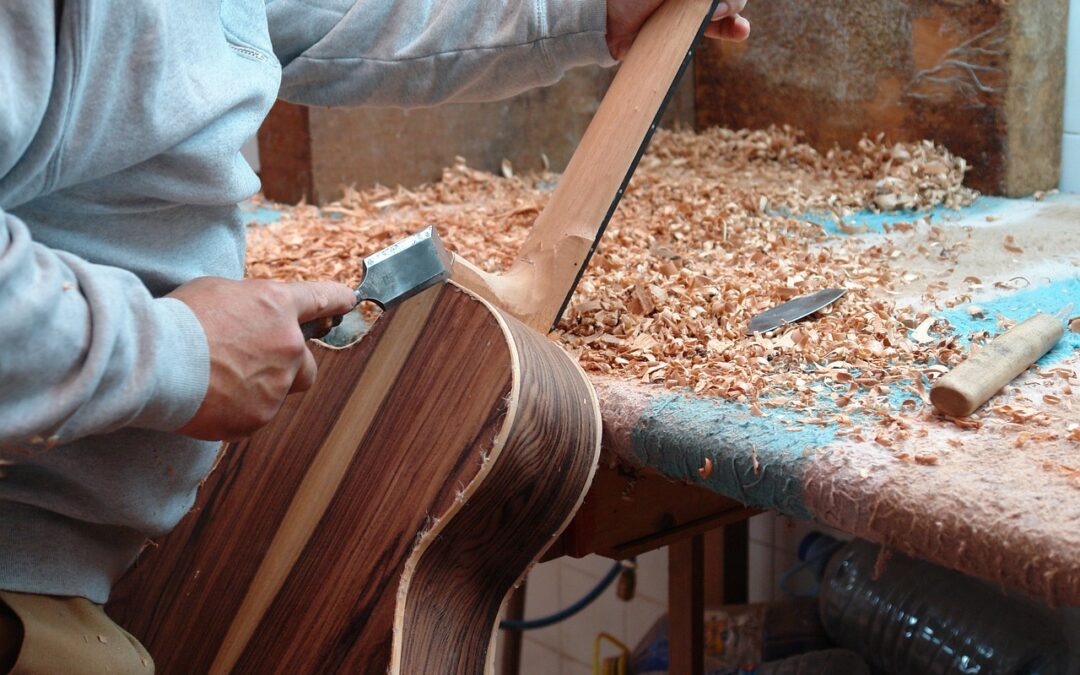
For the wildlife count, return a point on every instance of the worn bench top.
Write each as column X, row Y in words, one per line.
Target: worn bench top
column 1001, row 501
column 998, row 497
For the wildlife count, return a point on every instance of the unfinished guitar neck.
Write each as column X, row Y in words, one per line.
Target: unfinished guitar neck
column 540, row 282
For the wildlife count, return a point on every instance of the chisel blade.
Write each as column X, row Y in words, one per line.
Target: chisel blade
column 793, row 310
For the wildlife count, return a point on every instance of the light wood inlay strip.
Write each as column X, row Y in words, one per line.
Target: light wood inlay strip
column 322, row 479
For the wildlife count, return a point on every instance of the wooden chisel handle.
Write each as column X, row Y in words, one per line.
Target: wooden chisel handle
column 316, row 328
column 967, row 386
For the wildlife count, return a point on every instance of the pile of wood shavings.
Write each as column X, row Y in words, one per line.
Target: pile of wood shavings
column 701, row 242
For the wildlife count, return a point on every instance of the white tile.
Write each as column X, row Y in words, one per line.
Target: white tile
column 1072, row 71
column 760, row 528
column 593, row 565
column 576, row 667
column 542, row 599
column 652, row 576
column 605, row 614
column 759, row 576
column 536, row 659
column 1070, row 162
column 641, row 614
column 790, row 531
column 783, row 560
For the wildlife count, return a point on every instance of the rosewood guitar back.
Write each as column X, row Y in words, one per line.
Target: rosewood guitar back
column 379, row 522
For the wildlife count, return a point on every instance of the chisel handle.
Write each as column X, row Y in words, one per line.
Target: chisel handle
column 967, row 386
column 316, row 328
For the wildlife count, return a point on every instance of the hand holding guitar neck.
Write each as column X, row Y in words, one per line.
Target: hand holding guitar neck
column 541, row 280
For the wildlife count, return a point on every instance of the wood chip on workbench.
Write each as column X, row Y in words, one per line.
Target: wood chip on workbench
column 703, row 240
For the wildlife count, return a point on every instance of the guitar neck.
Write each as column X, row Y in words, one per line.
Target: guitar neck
column 538, row 286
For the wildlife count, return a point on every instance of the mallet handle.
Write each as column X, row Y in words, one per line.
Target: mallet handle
column 967, row 386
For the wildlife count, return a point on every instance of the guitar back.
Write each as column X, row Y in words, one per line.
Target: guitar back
column 378, row 524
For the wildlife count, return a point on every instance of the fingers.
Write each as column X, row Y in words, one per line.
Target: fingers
column 305, row 377
column 620, row 48
column 727, row 8
column 732, row 28
column 316, row 299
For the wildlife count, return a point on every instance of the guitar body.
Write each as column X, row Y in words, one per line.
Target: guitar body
column 379, row 523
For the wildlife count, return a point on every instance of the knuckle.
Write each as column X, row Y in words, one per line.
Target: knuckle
column 268, row 296
column 258, row 418
column 320, row 299
column 280, row 385
column 278, row 293
column 265, row 417
column 295, row 347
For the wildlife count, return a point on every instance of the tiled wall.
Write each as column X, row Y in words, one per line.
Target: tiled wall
column 774, row 544
column 566, row 648
column 1070, row 149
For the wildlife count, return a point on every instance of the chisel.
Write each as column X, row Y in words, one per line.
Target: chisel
column 393, row 275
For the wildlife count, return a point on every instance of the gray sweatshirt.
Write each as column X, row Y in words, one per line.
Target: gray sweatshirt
column 121, row 123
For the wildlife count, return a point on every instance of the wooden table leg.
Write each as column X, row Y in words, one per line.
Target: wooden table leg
column 686, row 606
column 727, row 564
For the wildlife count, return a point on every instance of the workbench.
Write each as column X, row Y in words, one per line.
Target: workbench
column 987, row 501
column 995, row 497
column 998, row 501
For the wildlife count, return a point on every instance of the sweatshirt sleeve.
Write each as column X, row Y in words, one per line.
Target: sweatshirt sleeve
column 425, row 52
column 85, row 348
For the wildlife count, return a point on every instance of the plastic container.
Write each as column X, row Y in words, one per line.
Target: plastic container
column 921, row 619
column 827, row 661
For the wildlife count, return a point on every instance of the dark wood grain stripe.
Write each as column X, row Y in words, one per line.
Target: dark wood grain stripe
column 203, row 567
column 424, row 448
column 463, row 571
column 324, row 475
column 413, row 488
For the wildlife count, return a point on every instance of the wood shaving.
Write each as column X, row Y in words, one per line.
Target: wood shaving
column 703, row 240
column 1010, row 245
column 706, row 470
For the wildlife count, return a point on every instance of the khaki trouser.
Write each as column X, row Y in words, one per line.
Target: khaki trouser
column 47, row 635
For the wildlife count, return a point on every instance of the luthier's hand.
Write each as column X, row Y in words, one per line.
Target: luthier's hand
column 257, row 352
column 625, row 18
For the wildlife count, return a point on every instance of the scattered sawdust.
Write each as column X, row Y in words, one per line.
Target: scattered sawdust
column 702, row 241
column 1010, row 245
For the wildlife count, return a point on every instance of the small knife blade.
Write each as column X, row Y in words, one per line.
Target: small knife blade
column 793, row 310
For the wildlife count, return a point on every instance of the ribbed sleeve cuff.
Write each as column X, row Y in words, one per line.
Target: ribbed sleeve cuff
column 578, row 29
column 181, row 364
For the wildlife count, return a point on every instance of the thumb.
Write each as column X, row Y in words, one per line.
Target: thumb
column 316, row 299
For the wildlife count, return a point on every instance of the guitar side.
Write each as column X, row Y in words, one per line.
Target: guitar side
column 380, row 521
